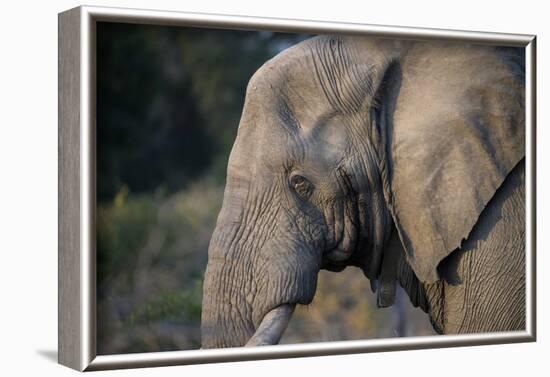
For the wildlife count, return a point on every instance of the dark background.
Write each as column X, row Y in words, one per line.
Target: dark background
column 168, row 106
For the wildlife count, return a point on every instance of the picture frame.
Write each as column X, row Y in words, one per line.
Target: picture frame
column 77, row 189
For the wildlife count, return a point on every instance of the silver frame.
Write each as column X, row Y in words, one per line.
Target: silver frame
column 77, row 203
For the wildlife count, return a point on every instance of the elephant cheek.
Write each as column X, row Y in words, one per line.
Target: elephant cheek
column 343, row 224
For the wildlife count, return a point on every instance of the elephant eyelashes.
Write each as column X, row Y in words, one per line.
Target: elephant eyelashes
column 301, row 186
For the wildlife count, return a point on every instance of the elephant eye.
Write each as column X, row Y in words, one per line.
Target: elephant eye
column 301, row 185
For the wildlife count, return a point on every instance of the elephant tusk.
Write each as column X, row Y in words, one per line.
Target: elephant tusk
column 272, row 326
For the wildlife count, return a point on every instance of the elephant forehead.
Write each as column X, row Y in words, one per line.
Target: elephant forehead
column 288, row 84
column 317, row 74
column 327, row 137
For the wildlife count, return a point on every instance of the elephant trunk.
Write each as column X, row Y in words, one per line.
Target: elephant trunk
column 255, row 274
column 226, row 313
column 236, row 309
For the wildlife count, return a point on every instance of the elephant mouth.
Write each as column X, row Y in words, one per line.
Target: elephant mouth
column 272, row 326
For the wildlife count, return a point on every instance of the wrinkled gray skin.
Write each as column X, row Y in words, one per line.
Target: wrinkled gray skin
column 402, row 159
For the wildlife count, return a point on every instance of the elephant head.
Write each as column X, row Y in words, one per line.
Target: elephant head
column 341, row 140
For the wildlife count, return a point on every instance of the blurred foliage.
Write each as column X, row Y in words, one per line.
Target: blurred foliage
column 169, row 101
column 171, row 306
column 123, row 228
column 168, row 106
column 152, row 253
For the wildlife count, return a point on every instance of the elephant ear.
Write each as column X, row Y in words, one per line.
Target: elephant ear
column 455, row 129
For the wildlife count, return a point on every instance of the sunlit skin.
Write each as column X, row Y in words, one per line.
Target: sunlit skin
column 359, row 152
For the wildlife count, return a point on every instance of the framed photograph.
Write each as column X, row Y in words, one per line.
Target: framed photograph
column 236, row 188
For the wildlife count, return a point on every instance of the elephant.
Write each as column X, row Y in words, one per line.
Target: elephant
column 405, row 159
